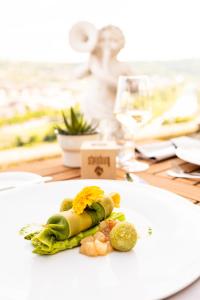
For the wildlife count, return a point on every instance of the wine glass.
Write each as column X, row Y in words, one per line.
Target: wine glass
column 133, row 110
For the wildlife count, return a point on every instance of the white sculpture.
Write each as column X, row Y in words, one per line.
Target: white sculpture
column 103, row 66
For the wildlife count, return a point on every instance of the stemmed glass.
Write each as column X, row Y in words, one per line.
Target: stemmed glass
column 133, row 110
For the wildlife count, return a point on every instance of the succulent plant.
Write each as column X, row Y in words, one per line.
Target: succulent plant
column 75, row 124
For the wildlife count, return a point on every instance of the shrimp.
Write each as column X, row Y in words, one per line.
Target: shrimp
column 89, row 249
column 99, row 244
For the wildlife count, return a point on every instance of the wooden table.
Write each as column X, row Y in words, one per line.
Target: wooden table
column 155, row 175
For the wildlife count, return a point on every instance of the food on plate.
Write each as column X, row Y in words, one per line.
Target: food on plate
column 87, row 220
column 95, row 245
column 99, row 243
column 112, row 235
column 86, row 197
column 123, row 236
column 150, row 231
column 66, row 204
column 30, row 230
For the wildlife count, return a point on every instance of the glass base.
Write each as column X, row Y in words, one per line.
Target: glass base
column 134, row 166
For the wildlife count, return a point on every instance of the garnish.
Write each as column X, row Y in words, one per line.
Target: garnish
column 86, row 197
column 150, row 231
column 116, row 199
column 30, row 230
column 128, row 177
column 66, row 204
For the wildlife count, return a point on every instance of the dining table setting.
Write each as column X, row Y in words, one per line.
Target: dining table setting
column 99, row 151
column 162, row 201
column 114, row 213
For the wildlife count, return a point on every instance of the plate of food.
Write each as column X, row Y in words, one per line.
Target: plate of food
column 97, row 239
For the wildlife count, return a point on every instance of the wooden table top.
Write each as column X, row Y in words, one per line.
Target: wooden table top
column 155, row 175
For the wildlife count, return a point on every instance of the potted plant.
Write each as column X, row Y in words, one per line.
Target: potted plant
column 75, row 131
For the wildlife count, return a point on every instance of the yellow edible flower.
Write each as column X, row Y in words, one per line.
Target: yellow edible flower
column 116, row 199
column 86, row 197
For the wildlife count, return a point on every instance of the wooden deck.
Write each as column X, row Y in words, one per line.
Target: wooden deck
column 155, row 175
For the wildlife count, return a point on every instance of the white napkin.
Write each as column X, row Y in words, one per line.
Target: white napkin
column 166, row 149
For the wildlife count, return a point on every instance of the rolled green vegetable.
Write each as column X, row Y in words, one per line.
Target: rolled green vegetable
column 66, row 224
column 105, row 208
column 57, row 226
column 50, row 246
column 75, row 223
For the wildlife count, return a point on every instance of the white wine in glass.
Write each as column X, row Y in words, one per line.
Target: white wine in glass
column 133, row 111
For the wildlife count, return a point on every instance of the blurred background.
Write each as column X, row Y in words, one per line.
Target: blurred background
column 37, row 64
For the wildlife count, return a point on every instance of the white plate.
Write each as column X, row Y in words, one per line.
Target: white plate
column 160, row 265
column 189, row 153
column 16, row 178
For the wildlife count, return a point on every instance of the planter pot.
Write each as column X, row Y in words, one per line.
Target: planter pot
column 71, row 145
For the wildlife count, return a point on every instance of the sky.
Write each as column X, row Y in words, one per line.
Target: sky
column 37, row 30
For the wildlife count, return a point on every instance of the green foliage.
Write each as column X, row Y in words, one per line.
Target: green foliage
column 50, row 136
column 162, row 99
column 46, row 135
column 75, row 124
column 26, row 141
column 29, row 115
column 176, row 120
column 19, row 142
